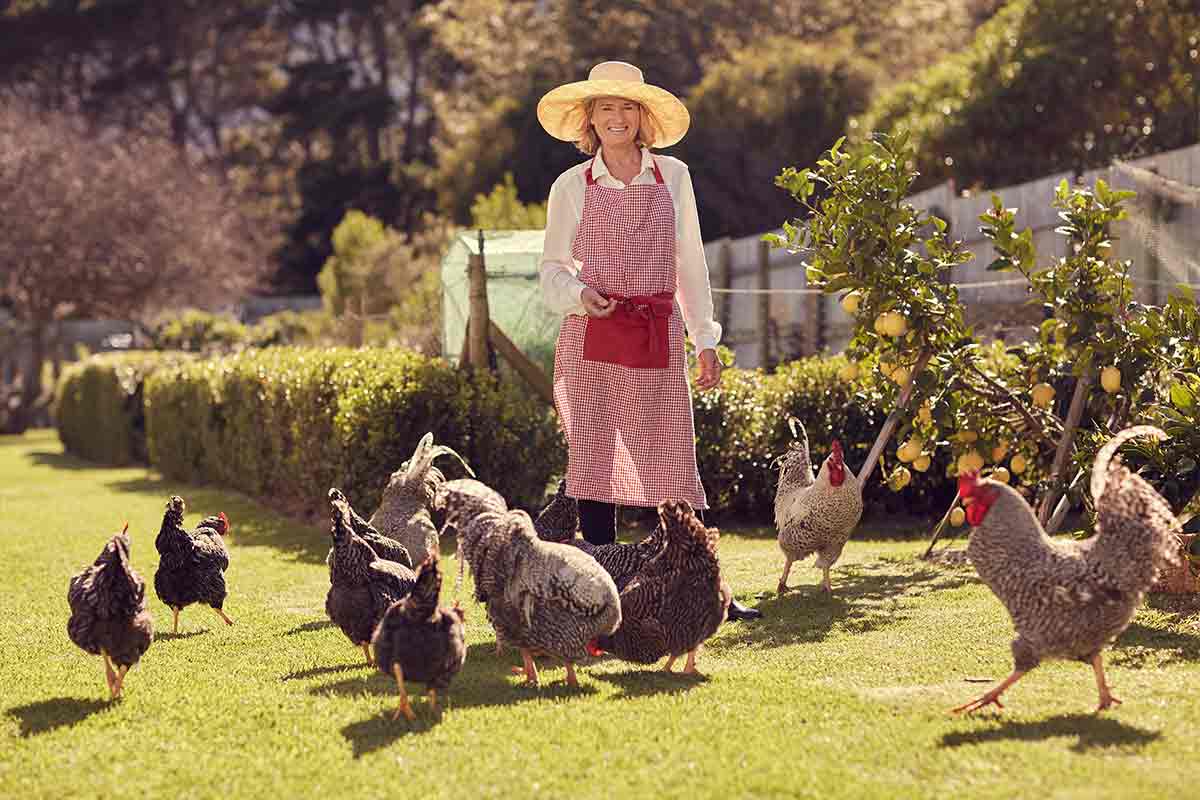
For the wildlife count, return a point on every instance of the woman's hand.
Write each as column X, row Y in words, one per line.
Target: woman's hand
column 596, row 304
column 710, row 370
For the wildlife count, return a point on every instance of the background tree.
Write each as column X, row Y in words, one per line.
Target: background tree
column 107, row 228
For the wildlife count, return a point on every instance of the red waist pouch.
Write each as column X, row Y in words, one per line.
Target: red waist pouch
column 635, row 335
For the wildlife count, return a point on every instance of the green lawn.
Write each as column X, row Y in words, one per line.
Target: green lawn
column 828, row 698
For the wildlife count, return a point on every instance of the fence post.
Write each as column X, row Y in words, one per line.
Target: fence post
column 479, row 321
column 764, row 303
column 725, row 281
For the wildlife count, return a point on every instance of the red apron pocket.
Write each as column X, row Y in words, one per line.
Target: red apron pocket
column 635, row 335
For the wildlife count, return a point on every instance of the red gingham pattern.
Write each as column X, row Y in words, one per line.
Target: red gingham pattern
column 629, row 431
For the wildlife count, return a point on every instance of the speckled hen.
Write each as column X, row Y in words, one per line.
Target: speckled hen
column 362, row 586
column 540, row 595
column 404, row 511
column 1068, row 599
column 458, row 501
column 191, row 564
column 418, row 640
column 677, row 600
column 814, row 515
column 384, row 547
column 559, row 520
column 109, row 617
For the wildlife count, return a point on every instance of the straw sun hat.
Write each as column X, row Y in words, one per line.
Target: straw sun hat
column 561, row 110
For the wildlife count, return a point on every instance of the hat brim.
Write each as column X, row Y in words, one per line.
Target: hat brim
column 561, row 110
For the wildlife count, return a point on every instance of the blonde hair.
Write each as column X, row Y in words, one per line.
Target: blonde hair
column 589, row 140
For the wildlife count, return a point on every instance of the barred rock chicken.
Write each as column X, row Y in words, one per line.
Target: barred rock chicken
column 109, row 617
column 1068, row 599
column 540, row 595
column 456, row 502
column 815, row 515
column 385, row 548
column 559, row 520
column 404, row 512
column 677, row 600
column 191, row 564
column 418, row 640
column 362, row 586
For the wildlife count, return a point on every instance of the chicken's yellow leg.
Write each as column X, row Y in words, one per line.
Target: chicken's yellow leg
column 433, row 703
column 110, row 675
column 991, row 697
column 223, row 616
column 670, row 663
column 531, row 675
column 825, row 584
column 571, row 679
column 404, row 708
column 175, row 622
column 690, row 667
column 1106, row 696
column 120, row 681
column 366, row 648
column 787, row 569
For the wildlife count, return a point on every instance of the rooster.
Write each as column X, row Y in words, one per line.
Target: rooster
column 419, row 640
column 1069, row 599
column 540, row 596
column 814, row 515
column 404, row 511
column 191, row 564
column 109, row 617
column 385, row 548
column 677, row 600
column 362, row 586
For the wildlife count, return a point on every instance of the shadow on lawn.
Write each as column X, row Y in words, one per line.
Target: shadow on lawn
column 650, row 680
column 47, row 715
column 326, row 670
column 46, row 458
column 866, row 597
column 1089, row 730
column 1142, row 646
column 168, row 636
column 308, row 627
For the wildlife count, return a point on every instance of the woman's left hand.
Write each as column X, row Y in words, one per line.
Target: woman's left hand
column 710, row 370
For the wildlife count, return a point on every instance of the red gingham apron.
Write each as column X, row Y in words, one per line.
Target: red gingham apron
column 629, row 430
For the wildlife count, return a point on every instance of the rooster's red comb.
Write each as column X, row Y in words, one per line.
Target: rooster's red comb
column 223, row 518
column 967, row 483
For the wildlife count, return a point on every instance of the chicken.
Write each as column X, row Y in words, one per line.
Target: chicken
column 418, row 640
column 362, row 586
column 814, row 515
column 385, row 548
column 109, row 617
column 456, row 502
column 404, row 512
column 540, row 596
column 1068, row 599
column 191, row 565
column 559, row 520
column 677, row 600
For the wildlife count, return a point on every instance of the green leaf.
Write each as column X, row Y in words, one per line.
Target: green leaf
column 1182, row 396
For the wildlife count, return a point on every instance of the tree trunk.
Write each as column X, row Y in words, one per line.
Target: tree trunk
column 31, row 382
column 1066, row 444
column 893, row 420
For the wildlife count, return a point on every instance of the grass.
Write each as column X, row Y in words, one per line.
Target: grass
column 829, row 698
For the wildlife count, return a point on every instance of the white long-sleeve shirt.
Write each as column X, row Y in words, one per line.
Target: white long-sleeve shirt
column 561, row 287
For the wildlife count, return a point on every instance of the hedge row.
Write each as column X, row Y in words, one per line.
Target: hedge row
column 289, row 422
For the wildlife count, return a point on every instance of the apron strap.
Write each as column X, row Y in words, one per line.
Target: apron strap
column 658, row 178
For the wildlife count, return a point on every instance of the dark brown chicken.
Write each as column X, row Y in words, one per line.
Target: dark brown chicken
column 191, row 564
column 109, row 617
column 362, row 586
column 1069, row 599
column 418, row 640
column 677, row 600
column 385, row 548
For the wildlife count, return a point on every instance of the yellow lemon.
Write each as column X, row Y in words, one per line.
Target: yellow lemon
column 848, row 372
column 970, row 461
column 1110, row 379
column 900, row 478
column 958, row 517
column 879, row 324
column 894, row 324
column 901, row 376
column 910, row 450
column 967, row 437
column 1043, row 395
column 1000, row 451
column 1018, row 464
column 886, row 368
column 851, row 302
column 924, row 414
column 1000, row 474
column 921, row 463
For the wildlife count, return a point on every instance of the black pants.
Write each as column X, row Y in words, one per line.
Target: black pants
column 599, row 521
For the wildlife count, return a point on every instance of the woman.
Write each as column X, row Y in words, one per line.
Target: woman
column 624, row 263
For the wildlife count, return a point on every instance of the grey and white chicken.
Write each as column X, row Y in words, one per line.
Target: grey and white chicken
column 540, row 596
column 404, row 512
column 1068, row 599
column 815, row 514
column 385, row 548
column 458, row 501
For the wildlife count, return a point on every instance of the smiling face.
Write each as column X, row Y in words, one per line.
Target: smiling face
column 616, row 121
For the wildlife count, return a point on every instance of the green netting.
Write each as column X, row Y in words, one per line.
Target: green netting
column 511, row 259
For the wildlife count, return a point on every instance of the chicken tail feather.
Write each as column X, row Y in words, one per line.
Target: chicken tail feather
column 1104, row 457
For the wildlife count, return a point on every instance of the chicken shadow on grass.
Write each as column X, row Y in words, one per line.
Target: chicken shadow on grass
column 47, row 715
column 252, row 525
column 329, row 669
column 309, row 627
column 45, row 458
column 866, row 597
column 1090, row 731
column 168, row 636
column 649, row 681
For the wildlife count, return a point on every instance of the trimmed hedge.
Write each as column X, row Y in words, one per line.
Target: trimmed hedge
column 288, row 423
column 98, row 405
